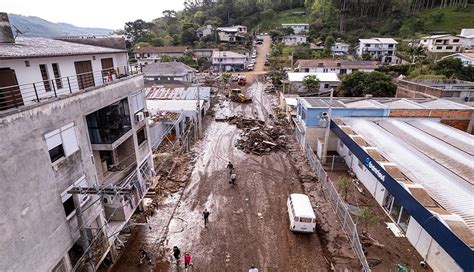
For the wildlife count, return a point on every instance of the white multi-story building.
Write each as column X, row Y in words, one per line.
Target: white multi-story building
column 228, row 61
column 297, row 28
column 231, row 34
column 73, row 130
column 294, row 39
column 334, row 66
column 442, row 43
column 146, row 55
column 381, row 49
column 468, row 37
column 340, row 48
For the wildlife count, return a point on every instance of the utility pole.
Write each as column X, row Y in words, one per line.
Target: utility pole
column 328, row 129
column 199, row 111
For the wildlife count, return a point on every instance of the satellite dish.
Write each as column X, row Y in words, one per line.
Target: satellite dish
column 18, row 31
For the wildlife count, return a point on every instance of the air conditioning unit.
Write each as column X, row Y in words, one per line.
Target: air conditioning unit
column 324, row 114
column 139, row 117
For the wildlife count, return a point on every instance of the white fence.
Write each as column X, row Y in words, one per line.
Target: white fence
column 339, row 206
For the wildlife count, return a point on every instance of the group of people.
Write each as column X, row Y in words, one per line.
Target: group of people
column 144, row 256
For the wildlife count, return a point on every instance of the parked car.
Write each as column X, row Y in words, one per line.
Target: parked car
column 300, row 211
column 250, row 67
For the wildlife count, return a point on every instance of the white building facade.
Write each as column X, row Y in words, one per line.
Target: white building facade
column 228, row 61
column 381, row 49
column 231, row 34
column 297, row 28
column 85, row 130
column 442, row 43
column 468, row 38
column 340, row 48
column 291, row 40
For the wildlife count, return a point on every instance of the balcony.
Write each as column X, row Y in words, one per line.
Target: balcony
column 23, row 95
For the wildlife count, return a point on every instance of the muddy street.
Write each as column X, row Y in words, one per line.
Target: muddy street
column 248, row 223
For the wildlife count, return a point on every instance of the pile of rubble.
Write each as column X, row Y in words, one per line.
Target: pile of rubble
column 257, row 137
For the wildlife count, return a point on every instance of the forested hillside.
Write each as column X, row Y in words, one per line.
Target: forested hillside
column 348, row 19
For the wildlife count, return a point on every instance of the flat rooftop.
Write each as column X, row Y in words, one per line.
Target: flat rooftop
column 189, row 93
column 436, row 156
column 383, row 103
column 155, row 106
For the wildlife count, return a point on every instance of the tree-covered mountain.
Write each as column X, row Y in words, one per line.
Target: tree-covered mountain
column 36, row 27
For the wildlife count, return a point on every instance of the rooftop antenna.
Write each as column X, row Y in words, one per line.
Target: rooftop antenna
column 18, row 31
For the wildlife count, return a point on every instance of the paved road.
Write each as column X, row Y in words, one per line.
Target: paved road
column 249, row 222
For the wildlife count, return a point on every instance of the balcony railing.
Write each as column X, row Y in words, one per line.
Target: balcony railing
column 28, row 94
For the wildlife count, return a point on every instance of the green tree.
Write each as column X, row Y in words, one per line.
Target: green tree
column 136, row 29
column 166, row 58
column 366, row 217
column 328, row 43
column 450, row 67
column 360, row 84
column 344, row 185
column 311, row 83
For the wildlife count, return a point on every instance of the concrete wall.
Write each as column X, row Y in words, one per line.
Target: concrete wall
column 429, row 249
column 35, row 231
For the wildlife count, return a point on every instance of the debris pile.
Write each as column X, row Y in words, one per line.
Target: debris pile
column 257, row 137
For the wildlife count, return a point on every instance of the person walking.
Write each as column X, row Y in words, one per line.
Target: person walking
column 176, row 253
column 187, row 260
column 206, row 214
column 231, row 167
column 232, row 179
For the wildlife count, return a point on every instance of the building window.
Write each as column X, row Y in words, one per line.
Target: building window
column 45, row 77
column 141, row 136
column 57, row 75
column 303, row 114
column 449, row 47
column 326, row 85
column 390, row 46
column 62, row 142
column 439, row 47
column 68, row 205
column 68, row 200
column 455, row 40
column 27, row 63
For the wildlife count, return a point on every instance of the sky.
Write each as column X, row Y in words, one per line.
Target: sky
column 91, row 13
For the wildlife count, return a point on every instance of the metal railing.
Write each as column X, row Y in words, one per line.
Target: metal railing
column 338, row 205
column 27, row 94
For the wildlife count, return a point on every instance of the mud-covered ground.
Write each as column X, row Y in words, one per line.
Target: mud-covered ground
column 249, row 223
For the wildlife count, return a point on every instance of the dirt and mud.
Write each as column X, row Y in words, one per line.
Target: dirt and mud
column 249, row 223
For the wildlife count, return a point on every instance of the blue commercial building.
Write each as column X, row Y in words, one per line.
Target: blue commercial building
column 421, row 172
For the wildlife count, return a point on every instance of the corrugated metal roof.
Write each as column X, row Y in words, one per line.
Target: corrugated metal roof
column 162, row 49
column 441, row 168
column 189, row 93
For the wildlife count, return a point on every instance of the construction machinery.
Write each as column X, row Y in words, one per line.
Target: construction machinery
column 237, row 95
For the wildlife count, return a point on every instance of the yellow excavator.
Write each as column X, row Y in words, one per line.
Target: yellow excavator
column 237, row 95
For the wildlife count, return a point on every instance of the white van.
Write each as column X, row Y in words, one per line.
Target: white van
column 300, row 211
